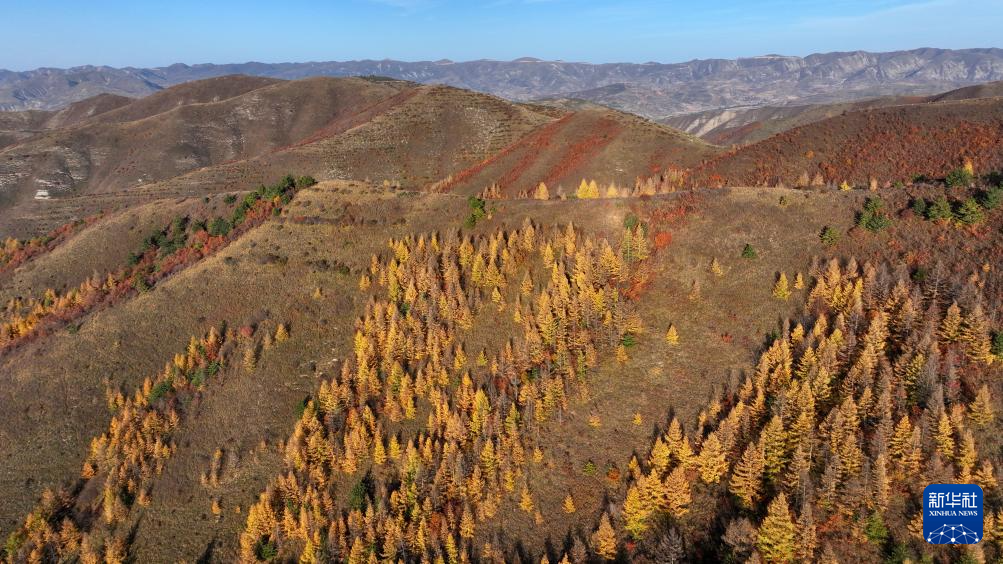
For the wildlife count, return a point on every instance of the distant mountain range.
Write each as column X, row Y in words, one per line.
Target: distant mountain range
column 653, row 90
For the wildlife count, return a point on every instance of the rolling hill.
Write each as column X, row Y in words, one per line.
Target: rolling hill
column 224, row 133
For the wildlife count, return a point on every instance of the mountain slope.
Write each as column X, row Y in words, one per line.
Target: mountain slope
column 524, row 418
column 601, row 144
column 226, row 133
column 740, row 126
column 180, row 129
column 888, row 144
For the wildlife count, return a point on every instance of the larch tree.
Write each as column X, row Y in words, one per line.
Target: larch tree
column 636, row 511
column 672, row 336
column 281, row 333
column 807, row 535
column 950, row 327
column 944, row 437
column 711, row 460
column 975, row 335
column 677, row 493
column 781, row 290
column 569, row 504
column 715, row 267
column 774, row 441
column 604, row 539
column 981, row 410
column 747, row 481
column 775, row 540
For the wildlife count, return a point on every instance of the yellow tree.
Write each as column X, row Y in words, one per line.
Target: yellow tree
column 981, row 410
column 774, row 444
column 467, row 523
column 975, row 335
column 775, row 540
column 569, row 504
column 881, row 486
column 711, row 460
column 747, row 481
column 541, row 193
column 716, row 268
column 781, row 290
column 944, row 437
column 281, row 333
column 950, row 327
column 526, row 500
column 636, row 511
column 587, row 190
column 604, row 539
column 672, row 336
column 677, row 496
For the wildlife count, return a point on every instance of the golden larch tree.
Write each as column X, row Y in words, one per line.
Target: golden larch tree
column 775, row 540
column 711, row 460
column 604, row 539
column 781, row 290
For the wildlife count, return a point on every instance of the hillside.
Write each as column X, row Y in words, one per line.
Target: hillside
column 587, row 386
column 742, row 126
column 892, row 144
column 225, row 133
column 610, row 146
column 653, row 90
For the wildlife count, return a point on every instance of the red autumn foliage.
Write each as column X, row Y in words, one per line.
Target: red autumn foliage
column 662, row 240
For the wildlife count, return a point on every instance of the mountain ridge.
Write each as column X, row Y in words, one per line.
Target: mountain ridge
column 653, row 90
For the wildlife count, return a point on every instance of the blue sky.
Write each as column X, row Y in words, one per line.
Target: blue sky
column 61, row 33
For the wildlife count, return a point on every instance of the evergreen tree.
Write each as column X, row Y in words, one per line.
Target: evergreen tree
column 970, row 212
column 939, row 210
